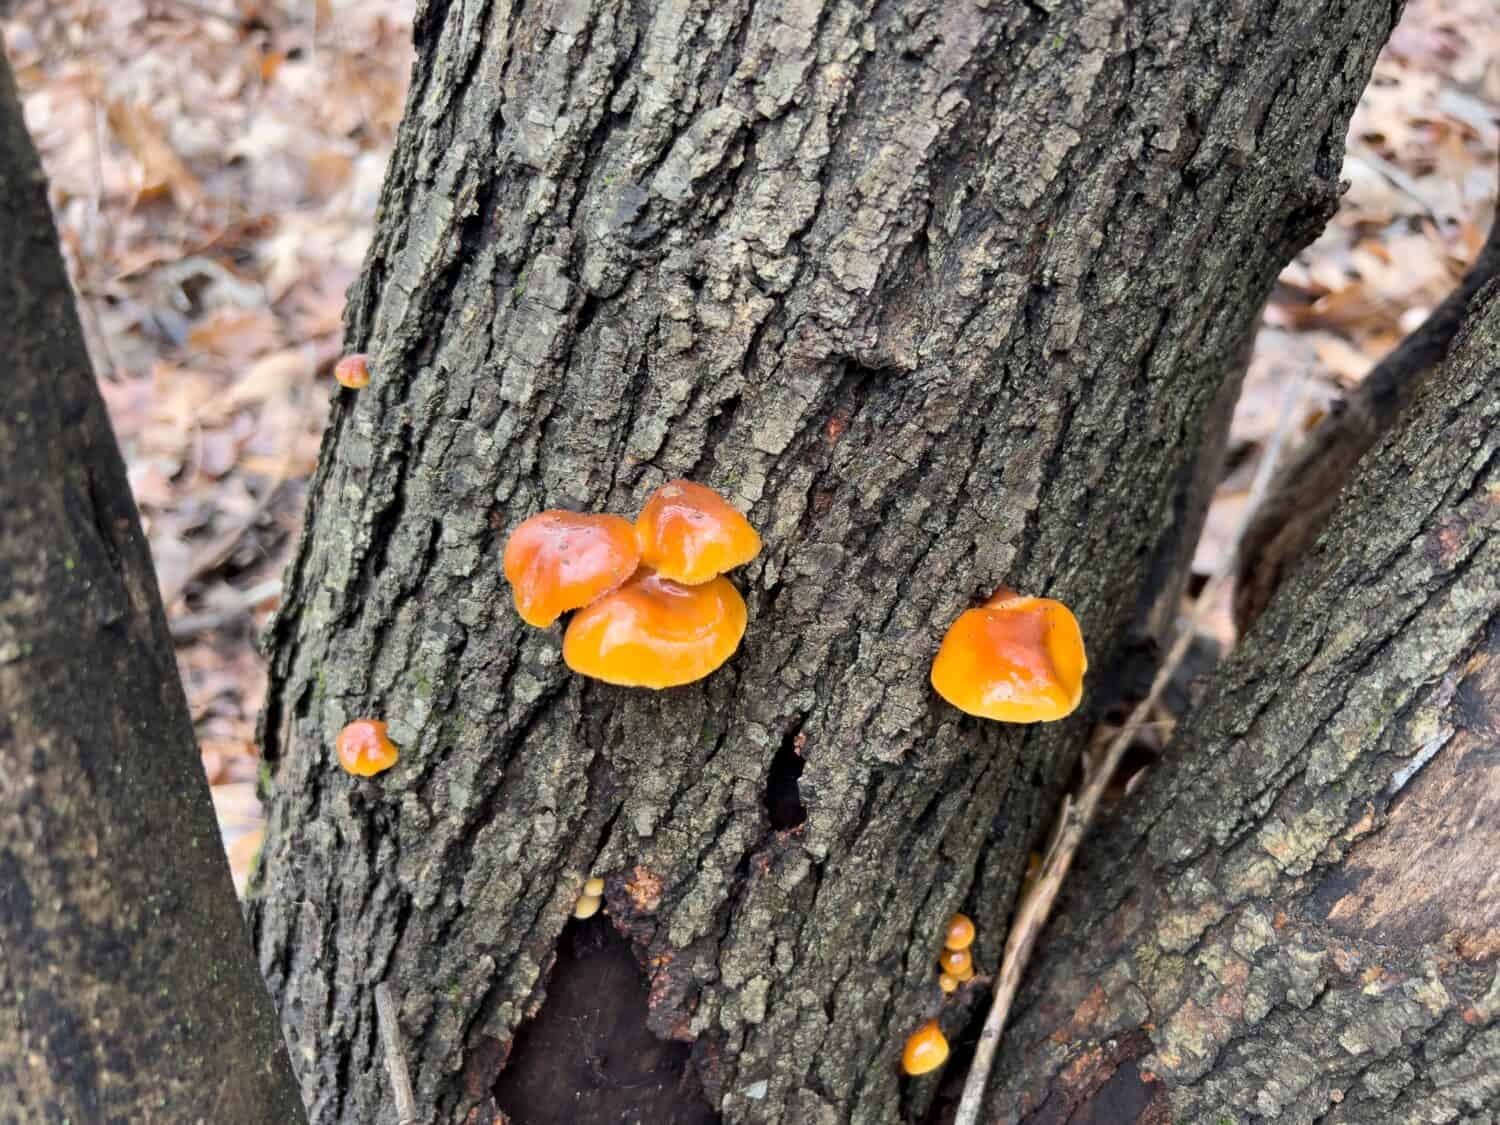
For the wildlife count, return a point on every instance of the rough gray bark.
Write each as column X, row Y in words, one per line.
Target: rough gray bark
column 1299, row 918
column 942, row 294
column 127, row 987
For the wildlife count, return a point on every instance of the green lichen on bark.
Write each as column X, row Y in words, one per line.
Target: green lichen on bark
column 942, row 294
column 1299, row 911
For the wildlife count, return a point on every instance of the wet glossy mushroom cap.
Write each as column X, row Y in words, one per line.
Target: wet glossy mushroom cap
column 947, row 983
column 656, row 633
column 363, row 748
column 1017, row 660
column 691, row 534
column 956, row 963
column 557, row 561
column 927, row 1049
column 586, row 906
column 353, row 371
column 960, row 932
column 594, row 886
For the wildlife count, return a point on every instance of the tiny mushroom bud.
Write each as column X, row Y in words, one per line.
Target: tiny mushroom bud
column 558, row 560
column 691, row 534
column 927, row 1049
column 960, row 932
column 956, row 962
column 1017, row 659
column 594, row 886
column 353, row 371
column 656, row 633
column 363, row 748
column 947, row 983
column 586, row 906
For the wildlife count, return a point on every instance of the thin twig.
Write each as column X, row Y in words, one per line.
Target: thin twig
column 1076, row 816
column 395, row 1057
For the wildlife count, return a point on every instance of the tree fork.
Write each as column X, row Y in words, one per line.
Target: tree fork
column 943, row 295
column 1297, row 916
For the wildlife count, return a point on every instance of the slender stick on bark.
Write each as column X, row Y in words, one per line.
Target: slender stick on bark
column 395, row 1057
column 1077, row 816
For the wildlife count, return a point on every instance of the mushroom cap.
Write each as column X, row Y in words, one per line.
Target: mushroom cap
column 656, row 633
column 947, row 983
column 957, row 963
column 594, row 886
column 558, row 560
column 586, row 906
column 363, row 748
column 691, row 534
column 353, row 371
column 1017, row 660
column 926, row 1049
column 960, row 932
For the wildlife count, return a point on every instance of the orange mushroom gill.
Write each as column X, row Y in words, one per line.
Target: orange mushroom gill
column 656, row 633
column 1016, row 659
column 560, row 560
column 691, row 534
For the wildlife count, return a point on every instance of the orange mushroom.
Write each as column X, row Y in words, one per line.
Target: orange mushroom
column 960, row 932
column 956, row 963
column 691, row 534
column 927, row 1049
column 947, row 983
column 1016, row 659
column 353, row 371
column 656, row 633
column 558, row 560
column 363, row 748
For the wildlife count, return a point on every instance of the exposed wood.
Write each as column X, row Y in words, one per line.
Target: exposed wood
column 127, row 987
column 1295, row 919
column 942, row 293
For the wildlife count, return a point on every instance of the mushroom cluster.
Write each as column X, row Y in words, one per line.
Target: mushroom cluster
column 591, row 899
column 654, row 609
column 1016, row 659
column 955, row 964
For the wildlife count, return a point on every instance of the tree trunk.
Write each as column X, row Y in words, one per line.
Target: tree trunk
column 943, row 294
column 1299, row 918
column 127, row 988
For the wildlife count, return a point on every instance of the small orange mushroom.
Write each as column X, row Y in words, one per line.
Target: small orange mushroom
column 947, row 983
column 960, row 932
column 558, row 560
column 656, row 633
column 1017, row 659
column 956, row 963
column 691, row 534
column 586, row 906
column 927, row 1049
column 353, row 371
column 363, row 748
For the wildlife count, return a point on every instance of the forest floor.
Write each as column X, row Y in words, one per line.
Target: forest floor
column 215, row 167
